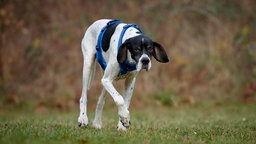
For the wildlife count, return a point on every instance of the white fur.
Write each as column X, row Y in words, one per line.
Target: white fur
column 139, row 65
column 110, row 74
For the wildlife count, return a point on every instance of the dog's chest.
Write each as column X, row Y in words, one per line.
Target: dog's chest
column 124, row 76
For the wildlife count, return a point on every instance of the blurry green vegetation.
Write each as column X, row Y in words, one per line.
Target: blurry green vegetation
column 211, row 44
column 205, row 123
column 167, row 98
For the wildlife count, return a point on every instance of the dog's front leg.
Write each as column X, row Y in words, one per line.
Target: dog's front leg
column 128, row 91
column 118, row 99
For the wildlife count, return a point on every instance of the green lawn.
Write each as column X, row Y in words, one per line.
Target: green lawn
column 230, row 123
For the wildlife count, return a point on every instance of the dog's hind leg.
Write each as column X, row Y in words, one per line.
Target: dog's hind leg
column 89, row 51
column 97, row 123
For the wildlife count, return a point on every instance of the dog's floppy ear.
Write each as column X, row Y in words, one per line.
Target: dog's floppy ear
column 122, row 52
column 159, row 53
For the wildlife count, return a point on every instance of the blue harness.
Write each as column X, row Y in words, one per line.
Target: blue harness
column 125, row 66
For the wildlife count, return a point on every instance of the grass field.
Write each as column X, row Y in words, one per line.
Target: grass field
column 213, row 123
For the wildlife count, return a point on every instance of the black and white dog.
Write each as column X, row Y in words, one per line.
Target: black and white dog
column 122, row 50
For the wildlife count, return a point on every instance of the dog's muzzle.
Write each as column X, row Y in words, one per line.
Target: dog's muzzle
column 145, row 63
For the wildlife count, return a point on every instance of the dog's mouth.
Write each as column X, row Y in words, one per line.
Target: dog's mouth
column 144, row 63
column 145, row 67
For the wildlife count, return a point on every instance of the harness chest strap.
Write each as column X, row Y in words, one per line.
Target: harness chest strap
column 126, row 66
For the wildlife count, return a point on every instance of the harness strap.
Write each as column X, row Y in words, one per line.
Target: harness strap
column 125, row 66
column 99, row 48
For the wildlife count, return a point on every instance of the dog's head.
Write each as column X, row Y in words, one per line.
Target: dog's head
column 139, row 50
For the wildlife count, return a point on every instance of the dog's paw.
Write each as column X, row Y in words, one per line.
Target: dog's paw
column 123, row 126
column 124, row 119
column 125, row 122
column 97, row 125
column 83, row 121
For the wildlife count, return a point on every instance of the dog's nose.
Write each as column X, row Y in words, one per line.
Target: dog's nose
column 144, row 61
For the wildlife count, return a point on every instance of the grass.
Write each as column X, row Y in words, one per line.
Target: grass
column 229, row 123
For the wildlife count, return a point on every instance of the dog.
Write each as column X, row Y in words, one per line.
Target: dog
column 122, row 50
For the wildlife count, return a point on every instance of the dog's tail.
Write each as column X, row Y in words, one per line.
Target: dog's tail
column 92, row 73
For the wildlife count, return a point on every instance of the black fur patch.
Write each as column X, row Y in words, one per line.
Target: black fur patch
column 107, row 35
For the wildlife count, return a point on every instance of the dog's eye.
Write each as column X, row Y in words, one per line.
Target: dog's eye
column 137, row 49
column 150, row 49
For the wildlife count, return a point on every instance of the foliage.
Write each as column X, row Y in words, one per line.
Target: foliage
column 167, row 98
column 211, row 44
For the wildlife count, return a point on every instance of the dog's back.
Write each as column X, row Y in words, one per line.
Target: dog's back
column 91, row 33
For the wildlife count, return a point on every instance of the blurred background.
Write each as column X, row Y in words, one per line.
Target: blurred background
column 211, row 43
